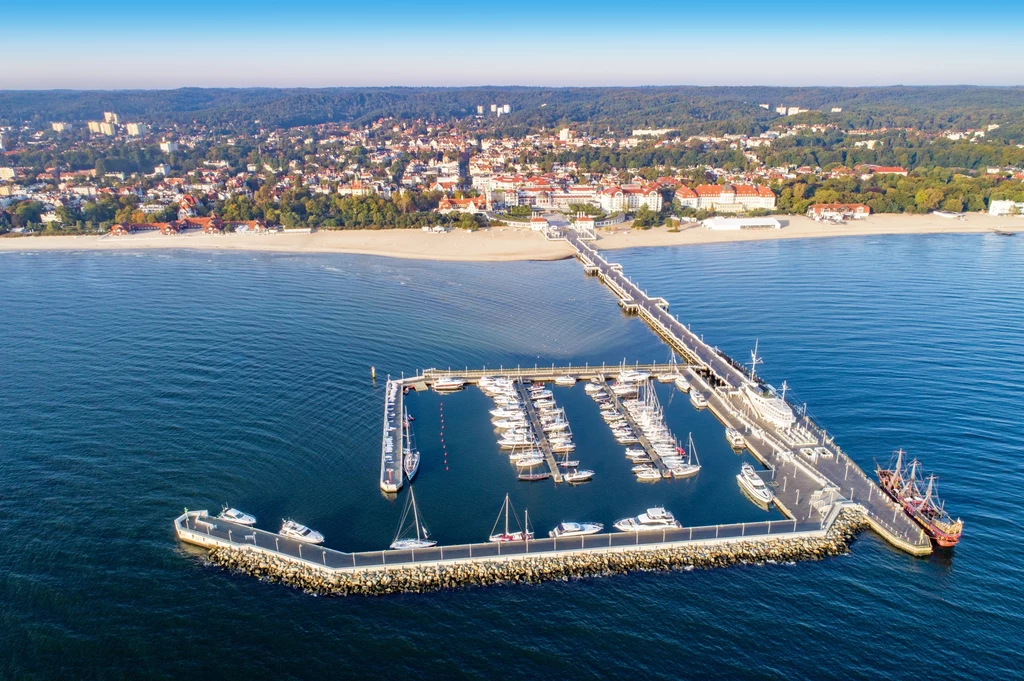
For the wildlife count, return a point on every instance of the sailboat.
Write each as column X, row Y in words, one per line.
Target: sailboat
column 420, row 541
column 692, row 464
column 507, row 535
column 410, row 454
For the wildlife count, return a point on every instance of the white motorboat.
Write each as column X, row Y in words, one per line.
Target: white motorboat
column 575, row 529
column 682, row 384
column 665, row 378
column 579, row 476
column 235, row 516
column 420, row 541
column 505, row 413
column 509, row 535
column 563, row 447
column 753, row 485
column 293, row 530
column 735, row 438
column 654, row 519
column 510, row 423
column 594, row 388
column 698, row 400
column 633, row 376
column 448, row 383
column 568, row 463
column 529, row 461
column 648, row 475
column 566, row 381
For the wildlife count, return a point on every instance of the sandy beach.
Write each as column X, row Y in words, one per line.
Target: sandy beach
column 506, row 243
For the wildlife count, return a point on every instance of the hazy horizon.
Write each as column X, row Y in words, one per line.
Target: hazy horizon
column 316, row 44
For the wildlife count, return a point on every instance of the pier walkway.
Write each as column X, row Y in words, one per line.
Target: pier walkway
column 538, row 431
column 806, row 456
column 639, row 432
column 393, row 441
column 200, row 529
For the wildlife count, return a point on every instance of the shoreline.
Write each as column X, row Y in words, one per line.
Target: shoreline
column 507, row 244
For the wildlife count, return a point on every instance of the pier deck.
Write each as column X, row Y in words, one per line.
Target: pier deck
column 200, row 529
column 538, row 430
column 393, row 441
column 644, row 442
column 805, row 448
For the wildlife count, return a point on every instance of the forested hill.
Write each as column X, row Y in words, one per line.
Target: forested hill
column 693, row 110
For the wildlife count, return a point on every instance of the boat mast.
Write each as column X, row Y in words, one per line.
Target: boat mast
column 754, row 361
column 506, row 514
column 415, row 513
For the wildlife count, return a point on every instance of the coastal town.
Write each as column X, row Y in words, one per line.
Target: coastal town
column 147, row 178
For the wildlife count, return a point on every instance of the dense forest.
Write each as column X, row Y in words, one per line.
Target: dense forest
column 692, row 110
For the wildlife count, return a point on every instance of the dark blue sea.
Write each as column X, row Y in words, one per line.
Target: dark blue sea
column 133, row 385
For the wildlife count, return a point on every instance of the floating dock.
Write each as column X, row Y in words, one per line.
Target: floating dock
column 538, row 431
column 639, row 432
column 393, row 440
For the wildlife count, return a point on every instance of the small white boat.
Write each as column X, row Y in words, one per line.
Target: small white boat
column 698, row 400
column 682, row 384
column 293, row 530
column 579, row 476
column 656, row 518
column 566, row 381
column 536, row 395
column 448, row 383
column 420, row 541
column 563, row 447
column 593, row 388
column 569, row 463
column 648, row 475
column 632, row 376
column 575, row 529
column 666, row 378
column 508, row 535
column 529, row 461
column 235, row 516
column 735, row 438
column 754, row 486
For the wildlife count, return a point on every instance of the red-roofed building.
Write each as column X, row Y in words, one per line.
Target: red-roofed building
column 728, row 198
column 476, row 204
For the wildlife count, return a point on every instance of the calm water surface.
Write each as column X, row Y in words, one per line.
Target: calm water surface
column 133, row 384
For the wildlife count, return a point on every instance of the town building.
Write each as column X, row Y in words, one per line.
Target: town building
column 838, row 211
column 60, row 127
column 137, row 129
column 994, row 208
column 628, row 197
column 729, row 198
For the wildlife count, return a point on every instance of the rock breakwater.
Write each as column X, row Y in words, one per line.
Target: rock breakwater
column 568, row 565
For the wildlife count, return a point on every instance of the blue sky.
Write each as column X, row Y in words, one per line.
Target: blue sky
column 315, row 43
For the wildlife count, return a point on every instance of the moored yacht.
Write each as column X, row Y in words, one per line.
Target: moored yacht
column 656, row 518
column 579, row 476
column 754, row 486
column 235, row 516
column 566, row 381
column 698, row 400
column 735, row 438
column 682, row 383
column 293, row 530
column 448, row 383
column 510, row 535
column 421, row 540
column 575, row 529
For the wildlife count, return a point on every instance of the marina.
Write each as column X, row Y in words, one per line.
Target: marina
column 805, row 475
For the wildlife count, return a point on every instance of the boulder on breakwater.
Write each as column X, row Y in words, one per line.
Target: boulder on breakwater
column 428, row 577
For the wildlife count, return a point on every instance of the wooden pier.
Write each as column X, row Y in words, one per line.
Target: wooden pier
column 538, row 430
column 815, row 472
column 639, row 432
column 393, row 441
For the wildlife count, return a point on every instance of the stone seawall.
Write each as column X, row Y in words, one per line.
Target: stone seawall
column 424, row 578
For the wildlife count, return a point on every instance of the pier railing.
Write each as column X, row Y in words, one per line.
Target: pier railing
column 197, row 528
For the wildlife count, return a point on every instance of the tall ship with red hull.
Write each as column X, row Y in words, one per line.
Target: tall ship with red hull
column 906, row 484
